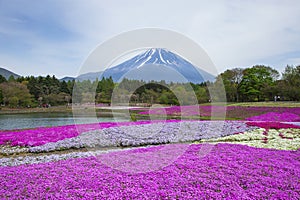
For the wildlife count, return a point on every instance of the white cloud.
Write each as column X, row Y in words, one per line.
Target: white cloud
column 248, row 33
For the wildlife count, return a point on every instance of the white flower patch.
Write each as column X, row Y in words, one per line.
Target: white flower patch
column 283, row 139
column 147, row 134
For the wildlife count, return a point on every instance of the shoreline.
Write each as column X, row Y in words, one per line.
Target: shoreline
column 54, row 109
column 69, row 109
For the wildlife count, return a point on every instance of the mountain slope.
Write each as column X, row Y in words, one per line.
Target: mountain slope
column 6, row 73
column 67, row 78
column 92, row 76
column 155, row 64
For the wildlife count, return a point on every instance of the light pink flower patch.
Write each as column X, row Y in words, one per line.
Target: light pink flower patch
column 43, row 135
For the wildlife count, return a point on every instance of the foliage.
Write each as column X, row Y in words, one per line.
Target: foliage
column 48, row 90
column 11, row 78
column 231, row 79
column 254, row 80
column 291, row 83
column 104, row 90
column 2, row 79
column 1, row 97
column 57, row 99
column 16, row 94
column 258, row 83
column 148, row 93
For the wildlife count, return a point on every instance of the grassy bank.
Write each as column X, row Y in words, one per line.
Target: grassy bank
column 53, row 109
column 267, row 104
column 63, row 109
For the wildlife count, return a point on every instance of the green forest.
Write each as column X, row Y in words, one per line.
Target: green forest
column 258, row 83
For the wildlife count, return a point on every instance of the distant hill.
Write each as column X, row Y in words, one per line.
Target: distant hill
column 92, row 76
column 67, row 78
column 6, row 73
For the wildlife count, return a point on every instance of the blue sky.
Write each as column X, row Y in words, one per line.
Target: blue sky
column 56, row 36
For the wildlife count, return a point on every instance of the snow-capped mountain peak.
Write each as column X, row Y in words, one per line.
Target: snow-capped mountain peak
column 162, row 58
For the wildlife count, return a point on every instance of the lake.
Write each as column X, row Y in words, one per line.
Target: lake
column 32, row 120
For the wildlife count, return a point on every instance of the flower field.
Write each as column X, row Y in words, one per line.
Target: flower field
column 284, row 139
column 237, row 112
column 147, row 134
column 257, row 157
column 43, row 135
column 228, row 172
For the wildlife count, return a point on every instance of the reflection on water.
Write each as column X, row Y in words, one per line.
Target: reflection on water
column 32, row 120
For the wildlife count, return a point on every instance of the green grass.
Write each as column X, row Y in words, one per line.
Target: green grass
column 53, row 109
column 267, row 104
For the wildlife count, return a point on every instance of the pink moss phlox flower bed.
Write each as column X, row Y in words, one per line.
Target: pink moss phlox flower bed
column 184, row 110
column 240, row 112
column 278, row 117
column 228, row 172
column 272, row 125
column 43, row 135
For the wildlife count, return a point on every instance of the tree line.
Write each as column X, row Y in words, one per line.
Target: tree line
column 34, row 91
column 261, row 83
column 258, row 83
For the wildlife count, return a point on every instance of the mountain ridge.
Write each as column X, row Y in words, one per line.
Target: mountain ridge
column 154, row 57
column 7, row 73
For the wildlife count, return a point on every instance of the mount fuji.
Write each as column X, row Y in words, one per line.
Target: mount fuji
column 158, row 64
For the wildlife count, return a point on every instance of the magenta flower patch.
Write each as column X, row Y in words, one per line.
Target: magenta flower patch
column 228, row 172
column 236, row 112
column 276, row 117
column 272, row 125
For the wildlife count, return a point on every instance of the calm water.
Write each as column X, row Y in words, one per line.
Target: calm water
column 32, row 120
